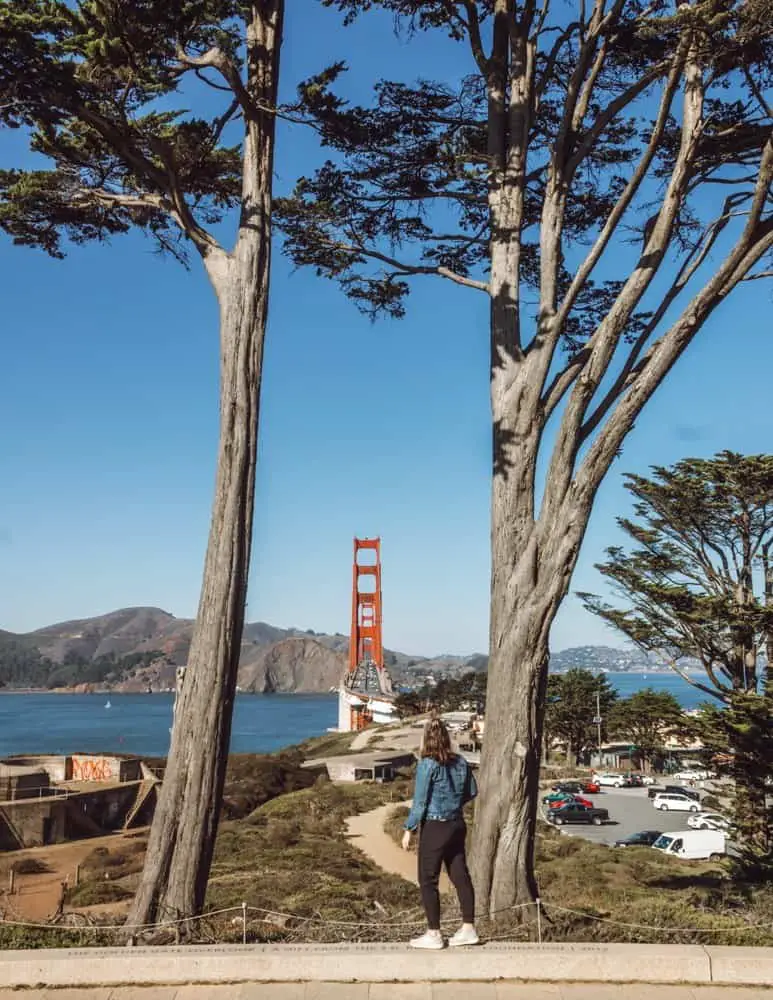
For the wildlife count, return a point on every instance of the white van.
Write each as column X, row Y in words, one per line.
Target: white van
column 693, row 845
column 676, row 803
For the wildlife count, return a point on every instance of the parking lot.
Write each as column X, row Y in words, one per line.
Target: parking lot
column 630, row 810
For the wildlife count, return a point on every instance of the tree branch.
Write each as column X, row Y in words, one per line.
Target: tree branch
column 689, row 267
column 609, row 330
column 565, row 378
column 473, row 31
column 753, row 243
column 403, row 268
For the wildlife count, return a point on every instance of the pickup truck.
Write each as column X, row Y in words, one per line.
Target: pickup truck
column 575, row 812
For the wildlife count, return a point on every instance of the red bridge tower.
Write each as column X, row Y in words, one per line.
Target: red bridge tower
column 367, row 682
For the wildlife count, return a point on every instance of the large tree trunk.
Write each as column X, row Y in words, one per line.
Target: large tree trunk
column 182, row 838
column 503, row 840
column 531, row 565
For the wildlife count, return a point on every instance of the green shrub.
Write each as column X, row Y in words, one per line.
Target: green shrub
column 30, row 866
column 92, row 893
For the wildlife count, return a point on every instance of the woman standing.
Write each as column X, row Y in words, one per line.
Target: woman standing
column 444, row 783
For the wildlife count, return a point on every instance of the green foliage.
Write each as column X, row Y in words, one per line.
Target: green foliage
column 23, row 666
column 571, row 709
column 94, row 893
column 745, row 727
column 647, row 718
column 30, row 866
column 700, row 583
column 407, row 190
column 253, row 780
column 697, row 583
column 96, row 85
column 466, row 693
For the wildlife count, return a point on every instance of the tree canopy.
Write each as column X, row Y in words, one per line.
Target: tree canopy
column 647, row 718
column 572, row 708
column 697, row 582
column 99, row 86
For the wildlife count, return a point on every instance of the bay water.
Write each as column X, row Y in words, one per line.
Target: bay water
column 139, row 723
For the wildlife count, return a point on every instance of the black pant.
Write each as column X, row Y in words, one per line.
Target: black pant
column 441, row 843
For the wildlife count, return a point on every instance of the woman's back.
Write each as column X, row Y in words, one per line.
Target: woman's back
column 450, row 787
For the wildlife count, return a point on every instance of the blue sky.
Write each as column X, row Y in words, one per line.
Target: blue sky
column 108, row 399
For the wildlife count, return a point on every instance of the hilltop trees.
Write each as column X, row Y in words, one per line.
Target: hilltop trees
column 572, row 700
column 647, row 718
column 96, row 85
column 599, row 175
column 697, row 583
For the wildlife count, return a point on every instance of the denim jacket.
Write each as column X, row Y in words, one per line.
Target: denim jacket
column 441, row 790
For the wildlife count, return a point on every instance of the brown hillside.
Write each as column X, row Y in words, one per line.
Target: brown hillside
column 293, row 664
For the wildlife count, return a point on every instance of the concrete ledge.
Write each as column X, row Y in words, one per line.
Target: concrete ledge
column 383, row 963
column 741, row 966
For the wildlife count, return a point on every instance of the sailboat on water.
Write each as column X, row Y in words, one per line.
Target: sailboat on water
column 107, row 704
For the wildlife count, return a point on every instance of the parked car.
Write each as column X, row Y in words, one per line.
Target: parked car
column 591, row 788
column 694, row 845
column 556, row 797
column 708, row 821
column 675, row 790
column 611, row 780
column 574, row 812
column 572, row 787
column 645, row 838
column 572, row 798
column 671, row 801
column 643, row 779
column 693, row 775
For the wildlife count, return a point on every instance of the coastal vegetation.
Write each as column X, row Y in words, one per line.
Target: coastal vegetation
column 23, row 666
column 696, row 580
column 290, row 861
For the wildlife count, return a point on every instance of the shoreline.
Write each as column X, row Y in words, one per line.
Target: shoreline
column 654, row 672
column 114, row 692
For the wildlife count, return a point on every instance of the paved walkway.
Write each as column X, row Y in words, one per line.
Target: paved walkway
column 397, row 991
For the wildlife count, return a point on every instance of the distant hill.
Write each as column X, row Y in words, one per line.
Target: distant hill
column 134, row 649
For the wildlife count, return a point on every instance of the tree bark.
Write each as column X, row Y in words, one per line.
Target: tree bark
column 174, row 879
column 529, row 578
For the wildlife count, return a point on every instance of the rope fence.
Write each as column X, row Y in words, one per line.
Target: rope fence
column 270, row 916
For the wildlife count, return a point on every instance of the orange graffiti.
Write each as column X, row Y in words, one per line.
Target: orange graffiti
column 92, row 769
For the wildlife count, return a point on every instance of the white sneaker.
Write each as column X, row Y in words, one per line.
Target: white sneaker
column 465, row 935
column 429, row 939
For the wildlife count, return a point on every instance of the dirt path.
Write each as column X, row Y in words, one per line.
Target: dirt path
column 37, row 896
column 361, row 740
column 366, row 832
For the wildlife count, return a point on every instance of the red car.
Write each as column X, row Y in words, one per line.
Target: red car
column 591, row 788
column 571, row 799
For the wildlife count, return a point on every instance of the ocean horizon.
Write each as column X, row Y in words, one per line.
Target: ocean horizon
column 109, row 722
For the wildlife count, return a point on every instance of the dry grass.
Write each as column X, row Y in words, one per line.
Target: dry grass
column 637, row 895
column 290, row 857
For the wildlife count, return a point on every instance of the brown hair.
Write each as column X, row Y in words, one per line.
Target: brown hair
column 437, row 742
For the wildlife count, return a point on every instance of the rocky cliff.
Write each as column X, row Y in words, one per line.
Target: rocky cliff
column 293, row 664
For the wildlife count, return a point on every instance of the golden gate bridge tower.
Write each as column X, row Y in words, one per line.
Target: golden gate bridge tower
column 366, row 695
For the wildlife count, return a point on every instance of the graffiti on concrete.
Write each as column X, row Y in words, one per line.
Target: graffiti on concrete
column 95, row 769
